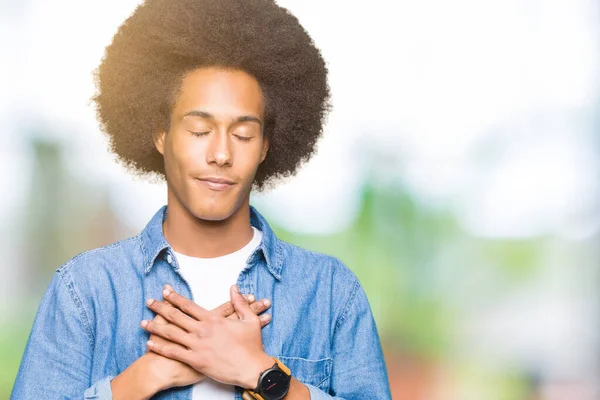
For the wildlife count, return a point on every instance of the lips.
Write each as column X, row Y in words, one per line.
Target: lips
column 216, row 183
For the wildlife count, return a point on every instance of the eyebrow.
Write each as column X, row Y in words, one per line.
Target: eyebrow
column 204, row 114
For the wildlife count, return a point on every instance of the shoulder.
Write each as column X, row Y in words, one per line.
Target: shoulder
column 325, row 274
column 102, row 262
column 311, row 262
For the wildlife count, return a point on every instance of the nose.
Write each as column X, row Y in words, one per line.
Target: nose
column 219, row 151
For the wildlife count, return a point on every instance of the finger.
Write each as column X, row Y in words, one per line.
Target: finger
column 169, row 332
column 226, row 309
column 154, row 338
column 157, row 340
column 256, row 307
column 186, row 305
column 260, row 306
column 240, row 305
column 172, row 314
column 264, row 320
column 159, row 318
column 170, row 288
column 170, row 350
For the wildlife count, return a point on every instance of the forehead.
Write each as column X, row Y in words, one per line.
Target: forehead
column 221, row 92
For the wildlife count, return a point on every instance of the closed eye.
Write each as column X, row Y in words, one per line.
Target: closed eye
column 199, row 133
column 243, row 138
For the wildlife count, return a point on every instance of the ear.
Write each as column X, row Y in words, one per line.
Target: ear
column 265, row 149
column 159, row 142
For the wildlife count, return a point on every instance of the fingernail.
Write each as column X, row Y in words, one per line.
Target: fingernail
column 168, row 287
column 250, row 297
column 166, row 292
column 266, row 302
column 144, row 323
column 149, row 301
column 266, row 317
column 235, row 288
column 150, row 343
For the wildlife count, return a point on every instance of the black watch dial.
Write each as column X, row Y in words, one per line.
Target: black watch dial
column 275, row 384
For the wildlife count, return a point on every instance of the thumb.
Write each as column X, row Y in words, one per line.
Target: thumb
column 240, row 304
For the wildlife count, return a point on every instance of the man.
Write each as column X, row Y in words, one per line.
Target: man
column 217, row 97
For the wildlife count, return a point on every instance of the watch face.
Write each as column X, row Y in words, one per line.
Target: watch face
column 275, row 384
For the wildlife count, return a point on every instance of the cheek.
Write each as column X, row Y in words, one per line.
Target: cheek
column 249, row 161
column 184, row 155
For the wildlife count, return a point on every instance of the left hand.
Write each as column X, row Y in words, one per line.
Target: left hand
column 227, row 350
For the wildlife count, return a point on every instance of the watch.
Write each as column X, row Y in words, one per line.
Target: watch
column 273, row 383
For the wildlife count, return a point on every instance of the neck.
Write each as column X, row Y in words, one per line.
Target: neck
column 195, row 237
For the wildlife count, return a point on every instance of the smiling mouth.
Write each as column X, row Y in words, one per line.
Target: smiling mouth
column 216, row 184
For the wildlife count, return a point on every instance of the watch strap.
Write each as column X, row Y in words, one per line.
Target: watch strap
column 283, row 367
column 247, row 396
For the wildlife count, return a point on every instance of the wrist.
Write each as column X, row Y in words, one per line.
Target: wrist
column 133, row 382
column 150, row 373
column 249, row 379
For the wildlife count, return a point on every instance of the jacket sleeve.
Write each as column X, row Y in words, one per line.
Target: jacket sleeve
column 57, row 360
column 359, row 370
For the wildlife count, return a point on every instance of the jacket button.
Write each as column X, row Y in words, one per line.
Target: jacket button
column 169, row 259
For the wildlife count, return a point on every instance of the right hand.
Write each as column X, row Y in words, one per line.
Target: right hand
column 174, row 373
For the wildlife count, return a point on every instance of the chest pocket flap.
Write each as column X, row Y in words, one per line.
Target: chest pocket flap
column 312, row 372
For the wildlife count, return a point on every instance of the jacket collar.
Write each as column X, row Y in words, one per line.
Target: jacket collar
column 154, row 243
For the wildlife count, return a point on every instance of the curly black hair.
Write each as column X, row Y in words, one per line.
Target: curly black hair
column 142, row 69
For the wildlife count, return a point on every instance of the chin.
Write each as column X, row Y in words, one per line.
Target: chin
column 212, row 208
column 213, row 212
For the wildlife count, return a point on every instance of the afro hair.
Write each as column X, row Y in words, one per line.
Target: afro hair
column 142, row 69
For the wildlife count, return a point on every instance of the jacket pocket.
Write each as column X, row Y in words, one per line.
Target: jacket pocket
column 312, row 372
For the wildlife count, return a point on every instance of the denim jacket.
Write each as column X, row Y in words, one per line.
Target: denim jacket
column 86, row 330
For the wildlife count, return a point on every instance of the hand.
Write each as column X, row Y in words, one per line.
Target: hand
column 228, row 350
column 176, row 373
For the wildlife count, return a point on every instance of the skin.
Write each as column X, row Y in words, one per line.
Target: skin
column 228, row 144
column 188, row 375
column 227, row 350
column 216, row 130
column 151, row 372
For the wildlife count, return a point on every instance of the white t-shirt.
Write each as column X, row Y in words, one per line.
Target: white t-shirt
column 210, row 280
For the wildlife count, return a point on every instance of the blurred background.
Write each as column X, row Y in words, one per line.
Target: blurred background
column 457, row 177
